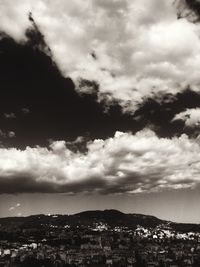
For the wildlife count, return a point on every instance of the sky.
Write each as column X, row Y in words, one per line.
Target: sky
column 100, row 107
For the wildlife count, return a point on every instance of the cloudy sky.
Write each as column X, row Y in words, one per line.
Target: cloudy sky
column 100, row 107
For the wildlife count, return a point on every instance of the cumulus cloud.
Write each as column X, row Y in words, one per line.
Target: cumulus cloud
column 125, row 163
column 133, row 49
column 191, row 117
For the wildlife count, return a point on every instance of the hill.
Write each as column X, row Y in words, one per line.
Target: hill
column 112, row 218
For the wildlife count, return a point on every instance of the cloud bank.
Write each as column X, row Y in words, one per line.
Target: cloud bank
column 134, row 50
column 125, row 163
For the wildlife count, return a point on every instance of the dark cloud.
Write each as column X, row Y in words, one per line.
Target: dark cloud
column 28, row 184
column 25, row 184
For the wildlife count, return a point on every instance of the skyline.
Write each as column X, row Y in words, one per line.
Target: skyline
column 95, row 115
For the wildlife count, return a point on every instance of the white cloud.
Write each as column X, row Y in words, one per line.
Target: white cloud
column 10, row 115
column 11, row 134
column 191, row 117
column 125, row 163
column 16, row 206
column 25, row 110
column 141, row 49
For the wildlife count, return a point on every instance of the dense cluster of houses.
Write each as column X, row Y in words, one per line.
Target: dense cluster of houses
column 103, row 246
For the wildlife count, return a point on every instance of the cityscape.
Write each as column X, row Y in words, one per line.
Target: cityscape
column 98, row 238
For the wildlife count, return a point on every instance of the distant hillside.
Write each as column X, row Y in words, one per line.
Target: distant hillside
column 117, row 218
column 88, row 218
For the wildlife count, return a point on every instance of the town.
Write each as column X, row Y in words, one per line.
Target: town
column 98, row 244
